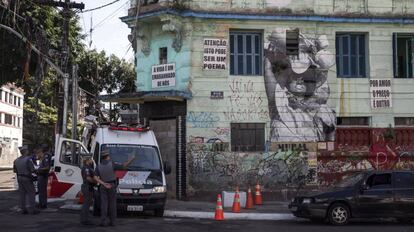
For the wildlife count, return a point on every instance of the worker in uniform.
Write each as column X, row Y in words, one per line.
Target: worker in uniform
column 106, row 172
column 44, row 159
column 90, row 179
column 24, row 168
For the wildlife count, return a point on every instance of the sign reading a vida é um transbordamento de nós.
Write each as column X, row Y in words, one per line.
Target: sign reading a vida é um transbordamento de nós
column 381, row 93
column 215, row 54
column 163, row 75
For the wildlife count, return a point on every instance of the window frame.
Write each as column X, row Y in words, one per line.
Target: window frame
column 237, row 137
column 79, row 155
column 339, row 55
column 368, row 124
column 395, row 37
column 405, row 119
column 10, row 123
column 234, row 56
column 382, row 186
column 162, row 60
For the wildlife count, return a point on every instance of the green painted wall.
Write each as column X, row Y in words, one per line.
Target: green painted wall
column 158, row 39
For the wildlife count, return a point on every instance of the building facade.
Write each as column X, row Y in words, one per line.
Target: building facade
column 278, row 92
column 11, row 123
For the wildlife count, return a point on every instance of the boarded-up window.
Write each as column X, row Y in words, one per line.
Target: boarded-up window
column 352, row 121
column 247, row 136
column 404, row 121
column 292, row 42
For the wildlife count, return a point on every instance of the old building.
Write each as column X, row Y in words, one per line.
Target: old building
column 11, row 123
column 275, row 91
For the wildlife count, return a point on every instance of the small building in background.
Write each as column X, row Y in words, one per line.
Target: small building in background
column 11, row 123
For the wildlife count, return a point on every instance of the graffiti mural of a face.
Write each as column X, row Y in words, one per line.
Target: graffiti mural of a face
column 298, row 91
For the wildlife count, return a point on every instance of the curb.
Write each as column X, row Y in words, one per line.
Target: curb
column 231, row 216
column 210, row 215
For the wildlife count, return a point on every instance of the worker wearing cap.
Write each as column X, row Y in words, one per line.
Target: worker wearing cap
column 106, row 172
column 24, row 168
column 43, row 173
column 90, row 179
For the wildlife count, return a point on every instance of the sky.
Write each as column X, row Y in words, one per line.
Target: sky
column 109, row 34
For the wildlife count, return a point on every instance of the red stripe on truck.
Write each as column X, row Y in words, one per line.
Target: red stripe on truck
column 120, row 174
column 55, row 188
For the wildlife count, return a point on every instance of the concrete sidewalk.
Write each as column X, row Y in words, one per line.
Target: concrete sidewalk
column 271, row 210
column 205, row 210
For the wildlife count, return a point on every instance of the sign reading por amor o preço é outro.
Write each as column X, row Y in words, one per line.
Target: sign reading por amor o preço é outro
column 381, row 93
column 215, row 54
column 163, row 75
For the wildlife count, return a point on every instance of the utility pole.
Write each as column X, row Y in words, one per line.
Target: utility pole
column 67, row 7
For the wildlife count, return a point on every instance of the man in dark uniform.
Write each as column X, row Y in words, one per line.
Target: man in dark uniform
column 43, row 174
column 89, row 181
column 106, row 172
column 24, row 168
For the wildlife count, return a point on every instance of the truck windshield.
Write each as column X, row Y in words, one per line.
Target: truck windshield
column 143, row 157
column 350, row 180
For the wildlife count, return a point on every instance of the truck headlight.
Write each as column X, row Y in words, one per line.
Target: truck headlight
column 159, row 189
column 307, row 200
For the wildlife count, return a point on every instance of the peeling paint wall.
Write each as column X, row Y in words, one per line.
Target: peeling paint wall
column 318, row 7
column 211, row 163
column 212, row 167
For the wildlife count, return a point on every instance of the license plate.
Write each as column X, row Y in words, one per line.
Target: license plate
column 135, row 208
column 294, row 208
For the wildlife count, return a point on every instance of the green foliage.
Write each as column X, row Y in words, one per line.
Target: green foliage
column 99, row 72
column 42, row 25
column 39, row 121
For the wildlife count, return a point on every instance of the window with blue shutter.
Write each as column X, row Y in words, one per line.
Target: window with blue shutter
column 351, row 57
column 245, row 53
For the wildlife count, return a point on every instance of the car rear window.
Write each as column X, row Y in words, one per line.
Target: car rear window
column 404, row 180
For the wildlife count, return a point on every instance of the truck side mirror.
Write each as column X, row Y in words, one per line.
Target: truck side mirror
column 167, row 168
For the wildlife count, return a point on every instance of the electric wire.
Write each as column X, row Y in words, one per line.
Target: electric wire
column 100, row 7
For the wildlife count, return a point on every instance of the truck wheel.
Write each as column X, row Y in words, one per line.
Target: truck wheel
column 339, row 214
column 159, row 212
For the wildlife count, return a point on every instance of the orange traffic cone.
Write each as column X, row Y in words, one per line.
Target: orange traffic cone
column 236, row 203
column 219, row 215
column 258, row 196
column 249, row 201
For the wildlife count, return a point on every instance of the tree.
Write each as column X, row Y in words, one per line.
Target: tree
column 42, row 25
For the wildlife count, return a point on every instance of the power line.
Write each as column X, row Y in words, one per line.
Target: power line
column 100, row 7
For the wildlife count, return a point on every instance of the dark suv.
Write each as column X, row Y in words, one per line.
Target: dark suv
column 372, row 194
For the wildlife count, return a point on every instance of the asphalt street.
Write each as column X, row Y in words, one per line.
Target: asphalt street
column 64, row 220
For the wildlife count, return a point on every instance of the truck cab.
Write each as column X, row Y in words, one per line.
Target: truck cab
column 141, row 185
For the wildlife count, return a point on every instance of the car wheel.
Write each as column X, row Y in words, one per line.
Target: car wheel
column 159, row 212
column 339, row 214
